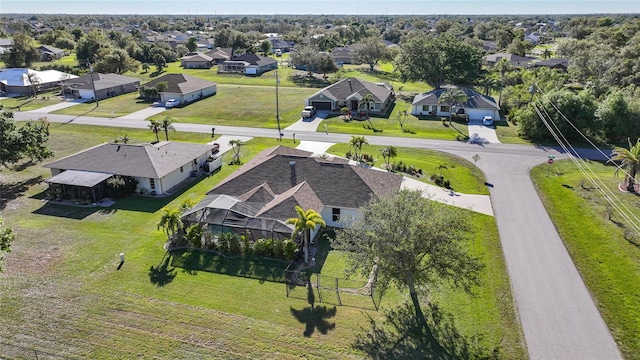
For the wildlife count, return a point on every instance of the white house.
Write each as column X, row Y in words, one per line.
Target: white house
column 184, row 88
column 17, row 80
column 475, row 107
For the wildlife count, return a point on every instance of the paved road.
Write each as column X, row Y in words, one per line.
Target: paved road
column 558, row 316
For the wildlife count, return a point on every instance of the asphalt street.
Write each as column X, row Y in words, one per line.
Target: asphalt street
column 559, row 318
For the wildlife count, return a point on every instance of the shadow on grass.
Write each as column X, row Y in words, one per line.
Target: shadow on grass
column 400, row 337
column 314, row 317
column 191, row 261
column 14, row 190
column 66, row 211
column 161, row 274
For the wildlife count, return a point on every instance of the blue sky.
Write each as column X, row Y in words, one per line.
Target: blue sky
column 329, row 7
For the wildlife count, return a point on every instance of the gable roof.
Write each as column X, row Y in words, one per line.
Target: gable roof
column 354, row 87
column 197, row 56
column 253, row 59
column 181, row 83
column 494, row 58
column 552, row 62
column 335, row 183
column 475, row 100
column 50, row 49
column 101, row 81
column 138, row 160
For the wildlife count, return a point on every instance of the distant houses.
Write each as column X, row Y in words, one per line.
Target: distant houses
column 98, row 86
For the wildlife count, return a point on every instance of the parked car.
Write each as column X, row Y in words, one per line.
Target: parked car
column 215, row 148
column 308, row 111
column 156, row 104
column 487, row 121
column 171, row 103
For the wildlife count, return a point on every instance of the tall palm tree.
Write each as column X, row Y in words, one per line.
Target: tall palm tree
column 303, row 224
column 629, row 162
column 503, row 66
column 366, row 100
column 388, row 153
column 356, row 143
column 452, row 97
column 235, row 146
column 171, row 222
column 166, row 126
column 155, row 126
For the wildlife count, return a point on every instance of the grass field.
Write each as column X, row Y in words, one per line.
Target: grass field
column 608, row 263
column 111, row 107
column 28, row 102
column 459, row 171
column 63, row 293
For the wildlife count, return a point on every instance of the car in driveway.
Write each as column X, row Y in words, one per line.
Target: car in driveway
column 171, row 103
column 308, row 111
column 487, row 121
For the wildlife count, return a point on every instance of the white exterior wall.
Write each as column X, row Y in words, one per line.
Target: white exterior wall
column 251, row 70
column 144, row 185
column 189, row 97
column 85, row 94
column 345, row 216
column 477, row 114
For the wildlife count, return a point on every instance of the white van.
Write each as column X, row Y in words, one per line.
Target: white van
column 278, row 52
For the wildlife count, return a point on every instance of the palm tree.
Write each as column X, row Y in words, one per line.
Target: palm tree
column 546, row 54
column 452, row 97
column 170, row 222
column 366, row 100
column 155, row 126
column 303, row 224
column 356, row 143
column 166, row 126
column 503, row 66
column 388, row 153
column 629, row 162
column 35, row 81
column 235, row 146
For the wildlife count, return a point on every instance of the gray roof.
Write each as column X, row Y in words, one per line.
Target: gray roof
column 254, row 59
column 101, row 81
column 51, row 49
column 198, row 57
column 181, row 83
column 79, row 178
column 475, row 100
column 334, row 183
column 138, row 160
column 511, row 57
column 346, row 88
column 6, row 42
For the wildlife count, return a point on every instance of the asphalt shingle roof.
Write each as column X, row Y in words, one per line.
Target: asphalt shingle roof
column 348, row 87
column 475, row 100
column 138, row 160
column 101, row 81
column 181, row 83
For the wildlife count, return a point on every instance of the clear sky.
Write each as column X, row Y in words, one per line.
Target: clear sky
column 328, row 7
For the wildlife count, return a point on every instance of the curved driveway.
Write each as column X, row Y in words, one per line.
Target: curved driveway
column 558, row 315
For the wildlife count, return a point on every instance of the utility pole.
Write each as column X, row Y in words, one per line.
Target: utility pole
column 93, row 83
column 277, row 106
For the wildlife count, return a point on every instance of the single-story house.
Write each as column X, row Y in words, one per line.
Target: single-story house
column 196, row 60
column 219, row 55
column 344, row 55
column 6, row 43
column 260, row 196
column 158, row 167
column 49, row 53
column 476, row 106
column 514, row 60
column 183, row 87
column 556, row 63
column 283, row 45
column 248, row 64
column 16, row 80
column 101, row 86
column 349, row 93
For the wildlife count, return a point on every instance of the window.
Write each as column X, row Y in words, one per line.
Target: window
column 426, row 107
column 444, row 108
column 335, row 214
column 181, row 168
column 152, row 184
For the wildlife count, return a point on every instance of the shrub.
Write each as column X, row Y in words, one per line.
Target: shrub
column 234, row 244
column 246, row 246
column 121, row 186
column 290, row 248
column 278, row 249
column 194, row 235
column 209, row 240
column 223, row 243
column 263, row 247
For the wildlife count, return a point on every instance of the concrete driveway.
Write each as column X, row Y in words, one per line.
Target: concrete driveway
column 309, row 124
column 56, row 107
column 316, row 147
column 144, row 113
column 483, row 134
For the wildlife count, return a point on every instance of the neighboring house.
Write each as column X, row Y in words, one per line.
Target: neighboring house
column 196, row 60
column 489, row 45
column 185, row 88
column 158, row 167
column 349, row 93
column 533, row 37
column 219, row 55
column 561, row 64
column 49, row 53
column 476, row 106
column 514, row 60
column 248, row 64
column 283, row 45
column 344, row 55
column 259, row 197
column 6, row 43
column 16, row 80
column 101, row 86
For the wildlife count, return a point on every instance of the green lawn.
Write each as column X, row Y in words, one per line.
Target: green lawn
column 111, row 107
column 63, row 275
column 28, row 102
column 459, row 172
column 251, row 106
column 609, row 264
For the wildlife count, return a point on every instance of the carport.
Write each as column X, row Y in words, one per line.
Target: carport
column 79, row 185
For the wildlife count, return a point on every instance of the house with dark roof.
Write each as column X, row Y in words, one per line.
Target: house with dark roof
column 514, row 60
column 475, row 107
column 350, row 93
column 196, row 60
column 158, row 167
column 219, row 55
column 555, row 63
column 261, row 195
column 283, row 45
column 101, row 86
column 184, row 88
column 344, row 55
column 49, row 53
column 248, row 64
